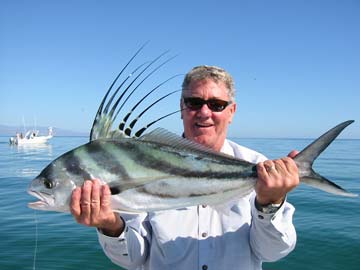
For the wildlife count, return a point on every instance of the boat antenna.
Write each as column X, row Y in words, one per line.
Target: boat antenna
column 23, row 121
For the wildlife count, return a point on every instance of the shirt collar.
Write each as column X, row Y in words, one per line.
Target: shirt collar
column 227, row 149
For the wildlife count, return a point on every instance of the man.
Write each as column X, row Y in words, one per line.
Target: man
column 238, row 234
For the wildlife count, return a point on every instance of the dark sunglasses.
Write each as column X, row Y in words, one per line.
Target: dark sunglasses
column 215, row 105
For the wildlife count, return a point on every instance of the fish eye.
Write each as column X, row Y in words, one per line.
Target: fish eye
column 48, row 184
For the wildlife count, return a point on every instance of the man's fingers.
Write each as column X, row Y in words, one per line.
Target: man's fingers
column 281, row 167
column 86, row 201
column 290, row 164
column 105, row 199
column 95, row 200
column 270, row 167
column 75, row 202
column 293, row 153
column 292, row 171
column 91, row 204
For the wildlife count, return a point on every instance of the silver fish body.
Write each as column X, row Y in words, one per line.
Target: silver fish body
column 158, row 170
column 145, row 175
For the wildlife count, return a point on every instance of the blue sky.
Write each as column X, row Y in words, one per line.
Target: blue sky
column 296, row 64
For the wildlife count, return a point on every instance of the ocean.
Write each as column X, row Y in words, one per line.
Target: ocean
column 328, row 226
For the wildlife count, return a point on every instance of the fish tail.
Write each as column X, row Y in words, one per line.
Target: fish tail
column 304, row 160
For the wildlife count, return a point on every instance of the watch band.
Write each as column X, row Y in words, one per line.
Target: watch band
column 270, row 208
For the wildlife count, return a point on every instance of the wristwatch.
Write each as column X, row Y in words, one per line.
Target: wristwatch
column 270, row 208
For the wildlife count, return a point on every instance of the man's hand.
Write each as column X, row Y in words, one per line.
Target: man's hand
column 275, row 179
column 91, row 206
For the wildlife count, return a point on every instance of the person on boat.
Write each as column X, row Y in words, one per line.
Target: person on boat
column 240, row 234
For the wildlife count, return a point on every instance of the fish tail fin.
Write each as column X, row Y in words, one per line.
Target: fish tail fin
column 305, row 159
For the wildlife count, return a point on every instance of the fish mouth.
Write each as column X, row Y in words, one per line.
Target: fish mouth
column 45, row 201
column 39, row 205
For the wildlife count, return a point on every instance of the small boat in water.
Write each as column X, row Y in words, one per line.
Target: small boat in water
column 31, row 137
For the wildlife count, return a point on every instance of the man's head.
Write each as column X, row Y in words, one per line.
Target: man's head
column 208, row 103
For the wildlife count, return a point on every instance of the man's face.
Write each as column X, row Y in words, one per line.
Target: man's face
column 204, row 125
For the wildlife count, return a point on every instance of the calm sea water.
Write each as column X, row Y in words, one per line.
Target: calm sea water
column 328, row 226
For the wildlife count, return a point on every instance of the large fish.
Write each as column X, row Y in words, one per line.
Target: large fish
column 158, row 170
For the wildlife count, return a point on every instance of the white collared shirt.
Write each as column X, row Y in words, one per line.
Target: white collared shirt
column 230, row 236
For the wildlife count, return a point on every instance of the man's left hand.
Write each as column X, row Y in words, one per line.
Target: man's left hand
column 275, row 179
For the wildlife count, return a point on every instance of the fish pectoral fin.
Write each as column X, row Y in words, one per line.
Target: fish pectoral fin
column 127, row 212
column 117, row 187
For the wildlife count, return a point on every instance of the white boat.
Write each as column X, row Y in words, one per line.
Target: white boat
column 31, row 137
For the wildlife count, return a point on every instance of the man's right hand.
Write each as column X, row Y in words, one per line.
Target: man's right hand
column 91, row 206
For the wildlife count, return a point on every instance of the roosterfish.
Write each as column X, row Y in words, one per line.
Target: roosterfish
column 158, row 170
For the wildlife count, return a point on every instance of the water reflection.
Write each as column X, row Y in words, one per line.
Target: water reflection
column 25, row 160
column 34, row 149
column 27, row 172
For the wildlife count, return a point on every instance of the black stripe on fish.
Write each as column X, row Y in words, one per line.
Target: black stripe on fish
column 73, row 166
column 101, row 156
column 115, row 190
column 165, row 166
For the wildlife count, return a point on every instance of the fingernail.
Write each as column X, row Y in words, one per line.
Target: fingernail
column 97, row 181
column 87, row 183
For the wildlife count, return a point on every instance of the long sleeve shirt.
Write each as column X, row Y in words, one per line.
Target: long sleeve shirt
column 233, row 235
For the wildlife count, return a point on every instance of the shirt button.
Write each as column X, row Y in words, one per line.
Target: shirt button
column 204, row 234
column 204, row 267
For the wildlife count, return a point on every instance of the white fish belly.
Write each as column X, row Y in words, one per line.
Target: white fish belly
column 177, row 193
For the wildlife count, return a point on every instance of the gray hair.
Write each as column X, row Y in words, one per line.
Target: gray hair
column 214, row 73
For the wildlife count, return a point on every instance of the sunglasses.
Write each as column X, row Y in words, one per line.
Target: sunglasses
column 215, row 105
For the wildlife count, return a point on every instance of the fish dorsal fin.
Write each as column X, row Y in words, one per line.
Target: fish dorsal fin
column 116, row 97
column 102, row 129
column 164, row 137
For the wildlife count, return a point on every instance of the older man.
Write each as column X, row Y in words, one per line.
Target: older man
column 239, row 234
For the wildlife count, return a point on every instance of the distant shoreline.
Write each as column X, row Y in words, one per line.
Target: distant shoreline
column 10, row 131
column 56, row 136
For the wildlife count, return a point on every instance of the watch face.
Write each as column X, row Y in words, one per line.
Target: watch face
column 267, row 209
column 270, row 209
